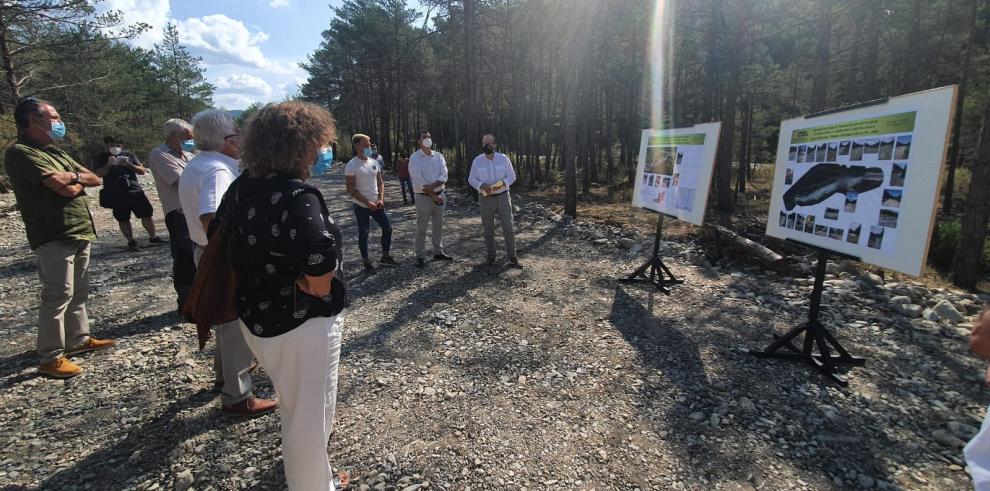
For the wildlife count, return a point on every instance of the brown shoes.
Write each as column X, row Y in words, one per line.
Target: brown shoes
column 251, row 407
column 91, row 344
column 60, row 368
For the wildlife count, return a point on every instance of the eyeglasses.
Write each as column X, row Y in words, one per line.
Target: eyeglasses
column 235, row 135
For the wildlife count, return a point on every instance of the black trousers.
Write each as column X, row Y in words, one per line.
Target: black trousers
column 183, row 266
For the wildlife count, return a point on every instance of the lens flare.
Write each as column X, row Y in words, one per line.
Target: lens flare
column 661, row 55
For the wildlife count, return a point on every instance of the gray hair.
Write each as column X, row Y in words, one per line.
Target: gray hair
column 210, row 127
column 176, row 127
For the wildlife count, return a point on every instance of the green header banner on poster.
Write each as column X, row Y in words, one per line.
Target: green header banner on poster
column 884, row 125
column 695, row 139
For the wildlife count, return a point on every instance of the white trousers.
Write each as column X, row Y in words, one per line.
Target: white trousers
column 302, row 364
column 977, row 454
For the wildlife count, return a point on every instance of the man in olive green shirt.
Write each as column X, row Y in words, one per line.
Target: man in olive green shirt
column 48, row 185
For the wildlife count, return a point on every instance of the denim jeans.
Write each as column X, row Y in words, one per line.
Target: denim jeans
column 406, row 183
column 363, row 215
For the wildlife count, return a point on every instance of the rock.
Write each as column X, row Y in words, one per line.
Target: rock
column 697, row 416
column 184, row 480
column 747, row 405
column 911, row 310
column 625, row 243
column 900, row 299
column 865, row 481
column 870, row 279
column 962, row 431
column 948, row 439
column 600, row 242
column 929, row 315
column 947, row 311
column 521, row 380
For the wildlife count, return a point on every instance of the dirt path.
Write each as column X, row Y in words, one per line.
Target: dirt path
column 460, row 376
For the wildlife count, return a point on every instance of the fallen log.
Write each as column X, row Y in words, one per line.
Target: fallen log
column 727, row 239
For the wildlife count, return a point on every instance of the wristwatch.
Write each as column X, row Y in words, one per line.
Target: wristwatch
column 75, row 179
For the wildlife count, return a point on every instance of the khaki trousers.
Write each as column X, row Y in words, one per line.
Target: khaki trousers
column 501, row 205
column 63, row 268
column 231, row 358
column 427, row 211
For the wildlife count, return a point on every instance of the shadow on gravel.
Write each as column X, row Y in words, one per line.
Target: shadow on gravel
column 143, row 452
column 16, row 363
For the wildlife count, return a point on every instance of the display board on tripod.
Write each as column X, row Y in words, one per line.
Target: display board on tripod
column 864, row 182
column 675, row 170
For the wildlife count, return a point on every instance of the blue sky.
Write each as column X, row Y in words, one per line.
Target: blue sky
column 251, row 48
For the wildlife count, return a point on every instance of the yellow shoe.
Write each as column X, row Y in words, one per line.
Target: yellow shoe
column 60, row 368
column 91, row 344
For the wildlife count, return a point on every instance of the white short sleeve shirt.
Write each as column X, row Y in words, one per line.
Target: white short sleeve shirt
column 365, row 174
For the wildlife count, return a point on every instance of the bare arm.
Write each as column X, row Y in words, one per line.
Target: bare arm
column 206, row 219
column 317, row 286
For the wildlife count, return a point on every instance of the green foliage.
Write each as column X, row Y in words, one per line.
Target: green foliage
column 944, row 241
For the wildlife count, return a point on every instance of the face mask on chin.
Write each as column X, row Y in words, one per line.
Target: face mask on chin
column 367, row 152
column 189, row 145
column 427, row 142
column 116, row 151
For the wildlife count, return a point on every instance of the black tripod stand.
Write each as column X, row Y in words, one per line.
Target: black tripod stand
column 659, row 274
column 815, row 335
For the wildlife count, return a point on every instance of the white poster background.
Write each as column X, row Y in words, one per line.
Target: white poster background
column 688, row 198
column 904, row 246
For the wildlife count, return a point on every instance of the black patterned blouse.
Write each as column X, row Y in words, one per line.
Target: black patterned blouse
column 283, row 231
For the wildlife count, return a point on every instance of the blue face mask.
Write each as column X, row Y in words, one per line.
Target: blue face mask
column 58, row 130
column 367, row 152
column 189, row 145
column 323, row 161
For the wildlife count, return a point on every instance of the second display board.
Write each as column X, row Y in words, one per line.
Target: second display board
column 864, row 182
column 675, row 170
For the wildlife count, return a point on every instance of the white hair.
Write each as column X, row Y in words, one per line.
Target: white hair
column 176, row 127
column 210, row 127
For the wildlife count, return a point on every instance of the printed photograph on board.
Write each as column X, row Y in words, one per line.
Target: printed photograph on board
column 790, row 220
column 835, row 233
column 857, row 150
column 844, row 148
column 831, row 214
column 853, row 236
column 892, row 198
column 851, row 198
column 876, row 237
column 789, row 176
column 886, row 149
column 799, row 222
column 802, row 153
column 792, row 155
column 872, row 147
column 821, row 230
column 898, row 173
column 660, row 160
column 809, row 224
column 903, row 149
column 888, row 218
column 833, row 150
column 822, row 154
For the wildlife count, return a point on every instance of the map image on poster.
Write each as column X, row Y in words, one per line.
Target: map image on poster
column 675, row 168
column 864, row 182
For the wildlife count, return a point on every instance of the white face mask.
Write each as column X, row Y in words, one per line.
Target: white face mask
column 428, row 142
column 116, row 150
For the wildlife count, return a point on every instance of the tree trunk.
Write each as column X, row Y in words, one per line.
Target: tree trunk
column 950, row 181
column 8, row 62
column 823, row 54
column 966, row 264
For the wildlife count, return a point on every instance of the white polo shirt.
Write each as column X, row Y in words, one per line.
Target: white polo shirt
column 427, row 169
column 365, row 174
column 201, row 187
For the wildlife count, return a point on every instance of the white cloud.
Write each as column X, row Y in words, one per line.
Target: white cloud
column 244, row 84
column 278, row 3
column 155, row 13
column 224, row 40
column 233, row 101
